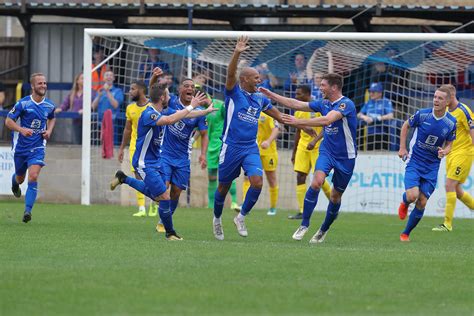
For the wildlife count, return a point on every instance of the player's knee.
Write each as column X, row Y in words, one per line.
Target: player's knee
column 163, row 196
column 300, row 178
column 20, row 179
column 33, row 176
column 256, row 182
column 412, row 196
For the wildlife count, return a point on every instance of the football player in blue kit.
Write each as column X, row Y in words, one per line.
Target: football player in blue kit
column 243, row 104
column 147, row 158
column 177, row 146
column 435, row 130
column 337, row 152
column 30, row 136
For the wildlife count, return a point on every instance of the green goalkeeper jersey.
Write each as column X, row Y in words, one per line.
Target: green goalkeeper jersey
column 215, row 124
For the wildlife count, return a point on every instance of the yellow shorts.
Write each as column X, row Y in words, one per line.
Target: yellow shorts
column 269, row 162
column 132, row 151
column 458, row 167
column 305, row 160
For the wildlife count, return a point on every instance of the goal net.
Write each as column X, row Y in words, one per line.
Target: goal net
column 402, row 69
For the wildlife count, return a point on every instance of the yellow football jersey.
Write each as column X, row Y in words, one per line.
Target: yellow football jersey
column 266, row 124
column 132, row 113
column 463, row 142
column 305, row 138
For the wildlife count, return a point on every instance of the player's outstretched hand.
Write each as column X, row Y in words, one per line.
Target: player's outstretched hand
column 211, row 108
column 198, row 99
column 265, row 92
column 242, row 44
column 157, row 72
column 26, row 132
column 403, row 154
column 288, row 119
column 46, row 134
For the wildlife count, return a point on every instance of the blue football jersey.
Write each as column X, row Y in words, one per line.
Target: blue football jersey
column 241, row 118
column 33, row 116
column 149, row 137
column 177, row 137
column 430, row 133
column 339, row 137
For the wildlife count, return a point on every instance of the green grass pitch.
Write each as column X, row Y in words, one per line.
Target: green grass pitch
column 99, row 260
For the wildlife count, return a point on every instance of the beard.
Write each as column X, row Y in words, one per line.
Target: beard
column 135, row 98
column 39, row 92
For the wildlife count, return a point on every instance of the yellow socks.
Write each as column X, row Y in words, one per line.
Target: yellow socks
column 468, row 200
column 245, row 188
column 140, row 200
column 273, row 197
column 326, row 189
column 300, row 194
column 449, row 209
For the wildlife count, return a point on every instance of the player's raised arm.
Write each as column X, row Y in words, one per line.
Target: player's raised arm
column 178, row 115
column 241, row 46
column 154, row 75
column 328, row 119
column 286, row 102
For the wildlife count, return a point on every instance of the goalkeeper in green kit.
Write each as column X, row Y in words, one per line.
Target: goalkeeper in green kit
column 215, row 124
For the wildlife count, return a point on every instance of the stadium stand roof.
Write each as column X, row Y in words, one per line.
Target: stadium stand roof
column 118, row 12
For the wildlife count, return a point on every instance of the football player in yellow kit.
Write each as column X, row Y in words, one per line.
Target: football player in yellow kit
column 268, row 130
column 458, row 161
column 132, row 113
column 305, row 152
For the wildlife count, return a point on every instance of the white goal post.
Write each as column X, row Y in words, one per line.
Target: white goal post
column 350, row 51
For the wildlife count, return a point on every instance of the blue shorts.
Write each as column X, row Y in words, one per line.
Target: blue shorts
column 423, row 177
column 154, row 180
column 343, row 169
column 176, row 172
column 26, row 159
column 232, row 158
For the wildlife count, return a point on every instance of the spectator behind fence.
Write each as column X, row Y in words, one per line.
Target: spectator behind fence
column 108, row 97
column 2, row 96
column 377, row 110
column 151, row 63
column 297, row 77
column 73, row 103
column 268, row 79
column 316, row 77
column 98, row 74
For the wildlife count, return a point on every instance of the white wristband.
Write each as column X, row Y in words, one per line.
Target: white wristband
column 189, row 108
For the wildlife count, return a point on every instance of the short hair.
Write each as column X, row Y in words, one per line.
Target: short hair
column 186, row 79
column 333, row 79
column 450, row 87
column 306, row 89
column 157, row 91
column 141, row 84
column 446, row 90
column 34, row 75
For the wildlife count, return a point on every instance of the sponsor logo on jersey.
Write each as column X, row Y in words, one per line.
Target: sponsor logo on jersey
column 342, row 106
column 154, row 116
column 431, row 140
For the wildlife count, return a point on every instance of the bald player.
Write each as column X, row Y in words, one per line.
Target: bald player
column 243, row 104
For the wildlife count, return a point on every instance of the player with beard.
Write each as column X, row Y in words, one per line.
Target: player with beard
column 147, row 157
column 29, row 141
column 132, row 113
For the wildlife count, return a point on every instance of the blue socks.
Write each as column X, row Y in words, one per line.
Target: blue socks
column 218, row 204
column 310, row 201
column 413, row 220
column 250, row 200
column 331, row 215
column 166, row 215
column 173, row 205
column 30, row 196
